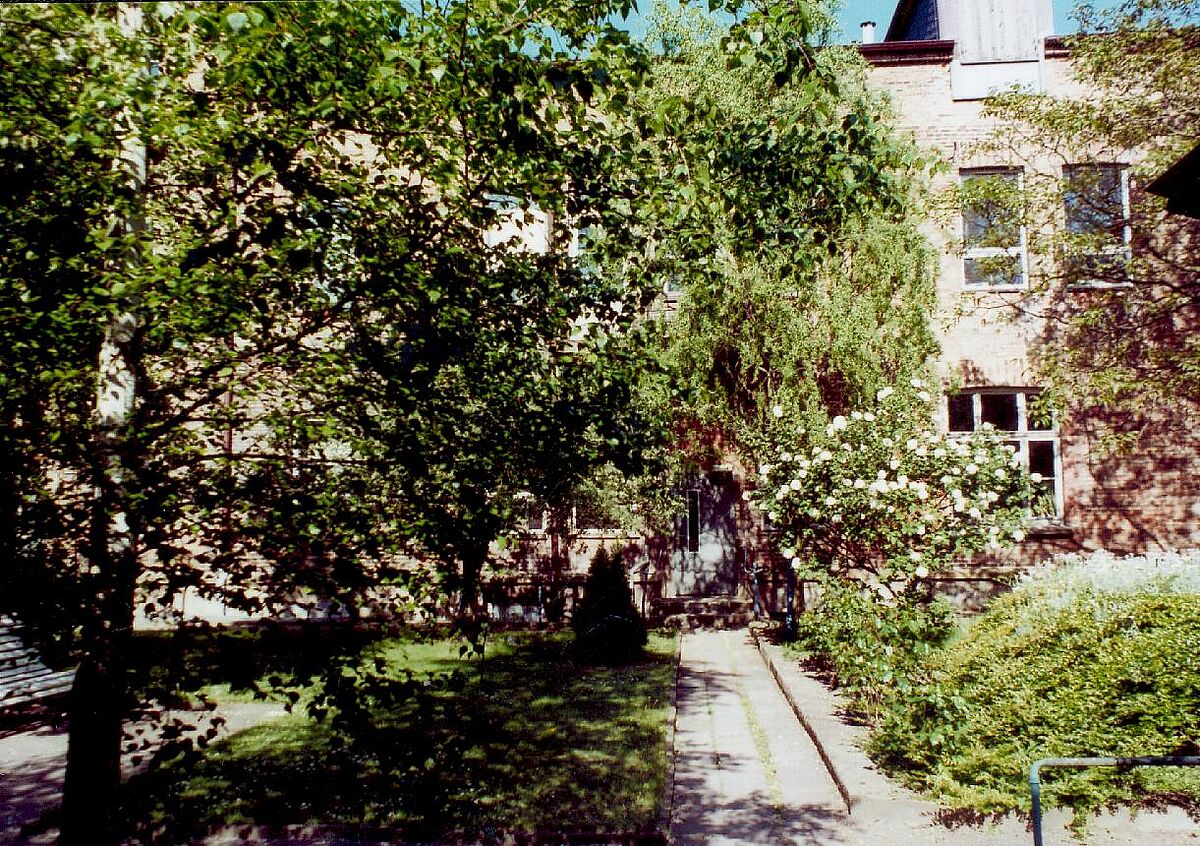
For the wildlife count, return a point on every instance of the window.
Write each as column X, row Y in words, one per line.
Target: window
column 1030, row 432
column 582, row 248
column 993, row 236
column 692, row 527
column 1096, row 209
column 531, row 513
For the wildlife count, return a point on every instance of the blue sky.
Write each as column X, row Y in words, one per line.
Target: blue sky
column 854, row 12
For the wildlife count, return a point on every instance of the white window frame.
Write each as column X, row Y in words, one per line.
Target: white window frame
column 1020, row 250
column 691, row 526
column 528, row 501
column 1122, row 250
column 1023, row 435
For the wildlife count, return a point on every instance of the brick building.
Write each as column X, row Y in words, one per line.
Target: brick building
column 1003, row 292
column 1005, row 284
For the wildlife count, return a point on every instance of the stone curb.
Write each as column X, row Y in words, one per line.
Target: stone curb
column 788, row 694
column 666, row 805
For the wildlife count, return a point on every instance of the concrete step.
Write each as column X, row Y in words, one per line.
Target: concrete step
column 707, row 612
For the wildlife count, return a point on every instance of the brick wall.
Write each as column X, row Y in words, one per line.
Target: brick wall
column 1146, row 498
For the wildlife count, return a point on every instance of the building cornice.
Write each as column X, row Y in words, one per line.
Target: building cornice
column 908, row 52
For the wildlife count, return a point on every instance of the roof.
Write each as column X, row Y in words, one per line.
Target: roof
column 900, row 20
column 1180, row 184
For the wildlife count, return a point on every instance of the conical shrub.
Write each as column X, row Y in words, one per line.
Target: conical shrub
column 607, row 626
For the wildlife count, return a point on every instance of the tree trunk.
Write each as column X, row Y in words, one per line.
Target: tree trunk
column 98, row 699
column 468, row 594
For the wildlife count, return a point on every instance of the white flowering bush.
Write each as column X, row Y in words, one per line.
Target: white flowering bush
column 882, row 493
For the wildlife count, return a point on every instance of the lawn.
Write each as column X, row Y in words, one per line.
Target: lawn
column 417, row 738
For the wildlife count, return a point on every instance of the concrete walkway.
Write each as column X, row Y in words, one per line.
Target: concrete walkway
column 33, row 762
column 761, row 757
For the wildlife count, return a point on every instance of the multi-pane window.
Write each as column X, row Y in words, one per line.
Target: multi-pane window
column 993, row 235
column 691, row 529
column 1096, row 210
column 1030, row 432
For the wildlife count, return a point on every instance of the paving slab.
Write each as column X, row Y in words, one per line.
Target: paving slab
column 745, row 771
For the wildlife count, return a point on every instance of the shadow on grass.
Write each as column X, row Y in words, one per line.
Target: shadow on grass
column 523, row 740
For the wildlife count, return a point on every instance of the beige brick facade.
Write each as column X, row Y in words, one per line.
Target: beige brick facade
column 1144, row 499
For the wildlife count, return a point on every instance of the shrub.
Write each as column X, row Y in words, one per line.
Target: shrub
column 872, row 647
column 606, row 623
column 1088, row 657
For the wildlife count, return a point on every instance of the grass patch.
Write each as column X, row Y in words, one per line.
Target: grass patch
column 417, row 738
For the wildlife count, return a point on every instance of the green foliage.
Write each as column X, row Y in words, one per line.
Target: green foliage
column 607, row 626
column 871, row 648
column 829, row 300
column 1080, row 660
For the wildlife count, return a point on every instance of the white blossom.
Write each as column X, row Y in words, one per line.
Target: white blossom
column 795, row 484
column 922, row 572
column 923, row 396
column 916, row 383
column 777, row 410
column 883, row 394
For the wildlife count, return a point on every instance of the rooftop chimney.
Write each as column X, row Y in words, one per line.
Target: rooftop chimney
column 868, row 32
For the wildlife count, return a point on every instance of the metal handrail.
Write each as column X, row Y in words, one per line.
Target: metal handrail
column 1035, row 786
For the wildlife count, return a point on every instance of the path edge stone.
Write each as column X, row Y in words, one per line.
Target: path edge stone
column 849, row 800
column 666, row 805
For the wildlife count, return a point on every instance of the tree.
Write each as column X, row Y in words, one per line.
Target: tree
column 322, row 360
column 814, row 288
column 1118, row 284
